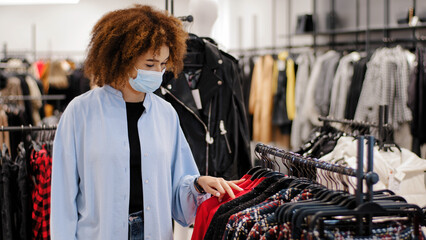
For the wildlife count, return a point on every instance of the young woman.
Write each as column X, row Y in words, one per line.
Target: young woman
column 122, row 167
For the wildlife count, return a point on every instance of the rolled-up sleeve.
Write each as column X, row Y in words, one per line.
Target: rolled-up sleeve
column 184, row 171
column 64, row 186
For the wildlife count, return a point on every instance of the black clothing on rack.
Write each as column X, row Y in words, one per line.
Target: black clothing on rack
column 134, row 112
column 15, row 202
column 246, row 66
column 279, row 112
column 216, row 128
column 355, row 88
column 417, row 100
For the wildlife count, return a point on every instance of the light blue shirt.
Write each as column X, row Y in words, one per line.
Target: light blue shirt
column 91, row 177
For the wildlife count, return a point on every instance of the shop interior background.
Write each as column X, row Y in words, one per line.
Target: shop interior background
column 62, row 30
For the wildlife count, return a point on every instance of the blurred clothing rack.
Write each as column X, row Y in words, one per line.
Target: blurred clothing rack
column 26, row 128
column 29, row 98
column 350, row 122
column 370, row 177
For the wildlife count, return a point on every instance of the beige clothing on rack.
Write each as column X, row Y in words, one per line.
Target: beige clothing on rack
column 13, row 88
column 36, row 103
column 261, row 99
column 4, row 135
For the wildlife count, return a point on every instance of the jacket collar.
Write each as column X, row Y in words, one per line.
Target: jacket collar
column 213, row 56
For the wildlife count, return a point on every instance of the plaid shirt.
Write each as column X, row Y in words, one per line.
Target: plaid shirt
column 41, row 163
column 269, row 224
column 392, row 232
column 239, row 224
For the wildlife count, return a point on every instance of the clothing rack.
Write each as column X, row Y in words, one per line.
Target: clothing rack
column 30, row 98
column 365, row 210
column 370, row 177
column 30, row 128
column 384, row 128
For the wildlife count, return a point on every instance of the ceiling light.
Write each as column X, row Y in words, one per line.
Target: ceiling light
column 36, row 2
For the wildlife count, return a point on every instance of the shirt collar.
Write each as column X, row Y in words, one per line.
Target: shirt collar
column 147, row 102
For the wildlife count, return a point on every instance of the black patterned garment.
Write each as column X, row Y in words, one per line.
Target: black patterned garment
column 239, row 224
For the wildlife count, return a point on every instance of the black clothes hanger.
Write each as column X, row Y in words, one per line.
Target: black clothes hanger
column 253, row 170
column 194, row 58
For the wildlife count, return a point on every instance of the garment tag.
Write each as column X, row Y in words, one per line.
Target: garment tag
column 281, row 65
column 394, row 183
column 400, row 176
column 197, row 98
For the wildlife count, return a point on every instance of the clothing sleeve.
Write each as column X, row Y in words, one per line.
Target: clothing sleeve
column 64, row 187
column 186, row 199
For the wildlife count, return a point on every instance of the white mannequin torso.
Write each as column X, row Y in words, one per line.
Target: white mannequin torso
column 205, row 13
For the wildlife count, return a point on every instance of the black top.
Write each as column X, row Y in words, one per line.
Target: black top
column 134, row 112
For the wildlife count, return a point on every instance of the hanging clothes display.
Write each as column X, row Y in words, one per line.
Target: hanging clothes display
column 275, row 206
column 308, row 117
column 417, row 100
column 25, row 186
column 208, row 98
column 341, row 84
column 386, row 83
column 305, row 62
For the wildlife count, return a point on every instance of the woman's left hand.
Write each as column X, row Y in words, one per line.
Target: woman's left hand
column 218, row 186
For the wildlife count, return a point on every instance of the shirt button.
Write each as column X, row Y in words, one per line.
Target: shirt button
column 169, row 86
column 146, row 181
column 124, row 225
column 145, row 155
column 219, row 82
column 220, row 61
column 125, row 169
column 148, row 208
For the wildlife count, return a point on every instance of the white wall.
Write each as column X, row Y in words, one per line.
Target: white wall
column 261, row 35
column 241, row 23
column 61, row 29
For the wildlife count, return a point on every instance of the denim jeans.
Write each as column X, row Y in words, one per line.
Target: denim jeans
column 136, row 226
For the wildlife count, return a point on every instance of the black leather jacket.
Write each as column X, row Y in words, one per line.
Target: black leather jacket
column 218, row 133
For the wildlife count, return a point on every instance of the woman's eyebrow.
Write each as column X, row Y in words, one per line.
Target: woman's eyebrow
column 155, row 60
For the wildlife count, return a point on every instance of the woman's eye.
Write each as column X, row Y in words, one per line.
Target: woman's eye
column 149, row 65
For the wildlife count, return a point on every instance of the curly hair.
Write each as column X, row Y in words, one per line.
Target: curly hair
column 121, row 36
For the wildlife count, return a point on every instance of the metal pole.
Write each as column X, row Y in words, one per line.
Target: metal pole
column 289, row 6
column 385, row 29
column 370, row 165
column 314, row 18
column 356, row 23
column 333, row 27
column 240, row 33
column 254, row 31
column 367, row 31
column 360, row 171
column 4, row 50
column 274, row 22
column 414, row 29
column 34, row 42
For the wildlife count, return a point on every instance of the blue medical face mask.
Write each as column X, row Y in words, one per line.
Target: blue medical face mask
column 147, row 81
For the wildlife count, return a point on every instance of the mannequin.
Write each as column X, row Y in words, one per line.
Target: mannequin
column 205, row 13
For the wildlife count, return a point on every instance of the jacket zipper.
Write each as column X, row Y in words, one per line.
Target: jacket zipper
column 223, row 132
column 209, row 139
